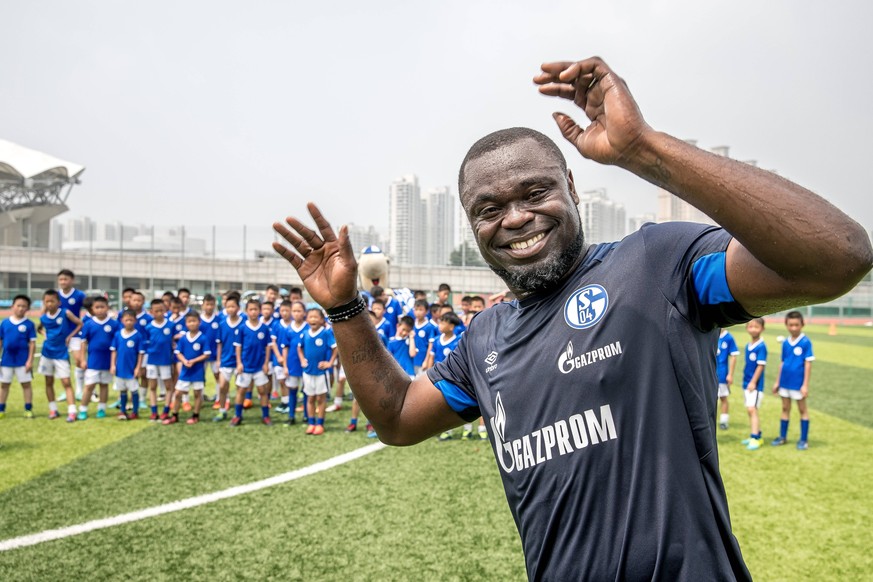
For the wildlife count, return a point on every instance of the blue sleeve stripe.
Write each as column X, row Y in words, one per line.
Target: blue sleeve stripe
column 457, row 399
column 710, row 280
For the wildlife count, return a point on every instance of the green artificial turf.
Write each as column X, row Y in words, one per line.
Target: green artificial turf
column 435, row 511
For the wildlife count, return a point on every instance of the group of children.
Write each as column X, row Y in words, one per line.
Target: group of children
column 272, row 346
column 792, row 378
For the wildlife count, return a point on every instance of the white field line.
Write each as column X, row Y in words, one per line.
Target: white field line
column 73, row 530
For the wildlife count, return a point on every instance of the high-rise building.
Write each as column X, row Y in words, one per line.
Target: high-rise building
column 405, row 221
column 603, row 220
column 635, row 222
column 362, row 237
column 439, row 225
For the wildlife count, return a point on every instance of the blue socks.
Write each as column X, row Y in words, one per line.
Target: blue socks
column 238, row 408
column 292, row 403
column 783, row 428
column 804, row 429
column 265, row 411
column 27, row 406
column 3, row 407
column 353, row 422
column 154, row 409
column 123, row 400
column 248, row 395
column 319, row 421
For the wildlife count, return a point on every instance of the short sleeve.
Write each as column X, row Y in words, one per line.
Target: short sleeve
column 451, row 377
column 687, row 263
column 808, row 355
column 31, row 331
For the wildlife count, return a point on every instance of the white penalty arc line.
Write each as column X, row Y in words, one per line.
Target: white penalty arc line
column 74, row 530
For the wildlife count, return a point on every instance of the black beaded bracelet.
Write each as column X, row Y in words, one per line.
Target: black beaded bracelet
column 347, row 311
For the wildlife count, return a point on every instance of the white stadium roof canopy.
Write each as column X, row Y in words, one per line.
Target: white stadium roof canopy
column 34, row 169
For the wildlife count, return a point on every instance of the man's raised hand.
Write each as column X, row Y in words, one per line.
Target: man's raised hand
column 326, row 263
column 616, row 123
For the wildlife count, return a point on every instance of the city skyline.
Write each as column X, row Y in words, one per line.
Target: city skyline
column 223, row 122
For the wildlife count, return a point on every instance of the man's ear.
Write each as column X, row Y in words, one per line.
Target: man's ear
column 572, row 186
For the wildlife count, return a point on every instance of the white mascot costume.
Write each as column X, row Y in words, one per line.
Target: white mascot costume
column 373, row 270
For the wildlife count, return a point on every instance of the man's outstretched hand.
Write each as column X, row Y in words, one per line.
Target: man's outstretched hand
column 326, row 264
column 616, row 124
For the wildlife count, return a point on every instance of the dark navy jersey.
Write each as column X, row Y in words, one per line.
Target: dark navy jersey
column 599, row 405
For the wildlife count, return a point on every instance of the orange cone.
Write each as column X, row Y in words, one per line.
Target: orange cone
column 832, row 330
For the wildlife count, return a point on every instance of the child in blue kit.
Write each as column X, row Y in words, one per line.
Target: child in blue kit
column 60, row 326
column 317, row 353
column 402, row 345
column 228, row 332
column 128, row 347
column 424, row 333
column 753, row 380
column 18, row 342
column 726, row 354
column 192, row 351
column 792, row 382
column 159, row 357
column 254, row 345
column 97, row 335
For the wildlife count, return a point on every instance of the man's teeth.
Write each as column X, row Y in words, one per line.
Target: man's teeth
column 517, row 246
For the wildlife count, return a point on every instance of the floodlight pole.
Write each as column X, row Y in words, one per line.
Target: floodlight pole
column 212, row 286
column 182, row 280
column 29, row 256
column 120, row 263
column 90, row 254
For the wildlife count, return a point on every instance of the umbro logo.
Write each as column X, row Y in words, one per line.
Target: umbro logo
column 490, row 359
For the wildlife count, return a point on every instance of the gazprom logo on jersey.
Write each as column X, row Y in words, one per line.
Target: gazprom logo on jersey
column 551, row 441
column 586, row 306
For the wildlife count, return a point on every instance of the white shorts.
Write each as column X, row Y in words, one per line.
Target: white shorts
column 416, row 370
column 153, row 372
column 125, row 384
column 6, row 373
column 279, row 372
column 340, row 373
column 227, row 373
column 56, row 368
column 753, row 398
column 97, row 377
column 75, row 344
column 244, row 380
column 315, row 385
column 292, row 381
column 145, row 362
column 792, row 394
column 213, row 365
column 183, row 386
column 724, row 390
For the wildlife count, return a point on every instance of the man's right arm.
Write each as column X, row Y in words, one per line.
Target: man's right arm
column 403, row 412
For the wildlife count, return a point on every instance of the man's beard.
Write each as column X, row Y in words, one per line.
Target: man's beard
column 529, row 279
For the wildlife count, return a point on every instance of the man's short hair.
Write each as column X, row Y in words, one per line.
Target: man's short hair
column 505, row 137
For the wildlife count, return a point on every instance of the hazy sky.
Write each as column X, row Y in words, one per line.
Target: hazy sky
column 229, row 112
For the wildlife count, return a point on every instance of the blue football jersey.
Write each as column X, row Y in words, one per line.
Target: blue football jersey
column 57, row 327
column 127, row 349
column 177, row 326
column 291, row 338
column 160, row 343
column 143, row 319
column 16, row 335
column 253, row 342
column 399, row 348
column 72, row 301
column 393, row 311
column 317, row 347
column 191, row 347
column 209, row 328
column 99, row 335
column 385, row 330
column 795, row 354
column 277, row 329
column 756, row 355
column 442, row 348
column 227, row 336
column 726, row 347
column 424, row 336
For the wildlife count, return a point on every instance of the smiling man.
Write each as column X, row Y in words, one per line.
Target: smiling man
column 596, row 383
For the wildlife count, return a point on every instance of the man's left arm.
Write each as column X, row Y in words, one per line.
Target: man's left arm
column 790, row 246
